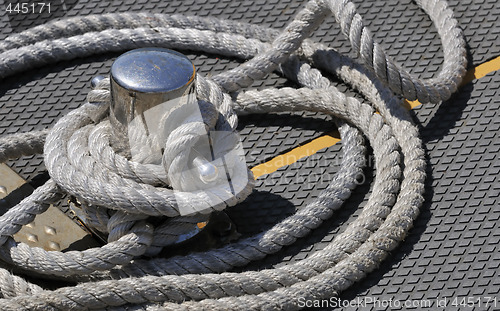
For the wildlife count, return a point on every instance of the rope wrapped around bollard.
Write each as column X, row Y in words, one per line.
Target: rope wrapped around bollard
column 115, row 275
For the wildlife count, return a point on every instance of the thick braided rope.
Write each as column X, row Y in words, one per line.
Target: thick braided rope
column 249, row 279
column 127, row 238
column 371, row 53
column 411, row 212
column 399, row 80
column 12, row 286
column 384, row 233
column 171, row 268
column 191, row 283
column 21, row 145
column 96, row 189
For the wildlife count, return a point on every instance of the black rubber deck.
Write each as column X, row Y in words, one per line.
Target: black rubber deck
column 453, row 252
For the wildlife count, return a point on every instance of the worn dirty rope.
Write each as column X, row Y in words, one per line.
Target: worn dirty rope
column 80, row 162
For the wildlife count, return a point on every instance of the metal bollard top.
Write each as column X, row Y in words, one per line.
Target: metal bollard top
column 152, row 70
column 146, row 85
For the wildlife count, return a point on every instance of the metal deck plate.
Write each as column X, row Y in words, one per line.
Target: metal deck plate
column 453, row 251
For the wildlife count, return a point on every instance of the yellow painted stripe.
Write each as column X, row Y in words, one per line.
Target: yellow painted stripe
column 296, row 154
column 331, row 139
column 475, row 73
column 482, row 70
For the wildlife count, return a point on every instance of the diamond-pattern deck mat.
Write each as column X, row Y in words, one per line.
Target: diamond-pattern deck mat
column 453, row 250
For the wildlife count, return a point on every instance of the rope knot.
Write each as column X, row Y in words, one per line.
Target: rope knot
column 189, row 161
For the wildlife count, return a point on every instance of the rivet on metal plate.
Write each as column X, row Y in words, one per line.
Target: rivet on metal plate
column 50, row 230
column 32, row 238
column 55, row 246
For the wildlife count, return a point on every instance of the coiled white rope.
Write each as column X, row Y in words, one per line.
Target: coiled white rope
column 113, row 276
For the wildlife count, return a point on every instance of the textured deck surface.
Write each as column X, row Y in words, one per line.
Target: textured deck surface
column 454, row 249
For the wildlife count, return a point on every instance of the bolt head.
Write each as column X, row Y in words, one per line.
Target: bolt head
column 95, row 80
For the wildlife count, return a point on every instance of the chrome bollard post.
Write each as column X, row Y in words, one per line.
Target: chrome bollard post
column 154, row 111
column 147, row 85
